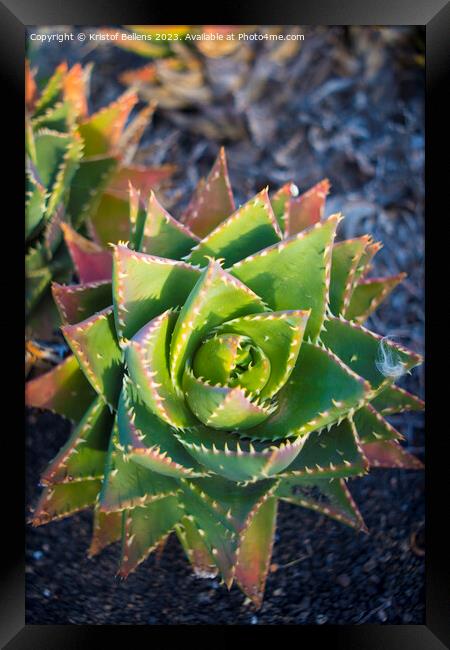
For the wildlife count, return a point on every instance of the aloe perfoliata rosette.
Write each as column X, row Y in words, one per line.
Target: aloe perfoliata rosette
column 230, row 370
column 78, row 166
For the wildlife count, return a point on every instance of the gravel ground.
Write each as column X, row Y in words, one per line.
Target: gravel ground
column 349, row 106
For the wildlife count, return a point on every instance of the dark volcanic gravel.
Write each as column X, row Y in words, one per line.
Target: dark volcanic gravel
column 349, row 106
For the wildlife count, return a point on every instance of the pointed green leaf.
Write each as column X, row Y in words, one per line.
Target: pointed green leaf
column 279, row 335
column 394, row 399
column 143, row 178
column 37, row 283
column 35, row 205
column 363, row 351
column 216, row 298
column 328, row 497
column 127, row 484
column 222, row 407
column 64, row 499
column 195, row 548
column 110, row 221
column 307, row 209
column 88, row 183
column 59, row 117
column 233, row 503
column 280, row 202
column 369, row 294
column 365, row 262
column 255, row 551
column 345, row 259
column 389, row 453
column 145, row 528
column 163, row 236
column 51, row 91
column 294, row 274
column 220, row 538
column 74, row 87
column 330, row 454
column 149, row 441
column 371, row 426
column 94, row 343
column 246, row 231
column 101, row 131
column 63, row 390
column 107, row 529
column 91, row 262
column 146, row 356
column 57, row 156
column 322, row 388
column 84, row 454
column 237, row 459
column 144, row 286
column 216, row 357
column 78, row 301
column 212, row 202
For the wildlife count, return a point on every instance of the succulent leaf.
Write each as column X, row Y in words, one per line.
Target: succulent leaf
column 368, row 295
column 91, row 262
column 221, row 407
column 360, row 350
column 149, row 441
column 307, row 209
column 330, row 497
column 110, row 223
column 148, row 367
column 94, row 343
column 295, row 273
column 144, row 286
column 280, row 202
column 77, row 300
column 216, row 298
column 89, row 182
column 63, row 390
column 144, row 529
column 323, row 390
column 345, row 259
column 65, row 499
column 372, row 426
column 106, row 529
column 394, row 399
column 163, row 235
column 101, row 131
column 220, row 538
column 279, row 335
column 213, row 201
column 142, row 178
column 83, row 456
column 127, row 484
column 236, row 459
column 252, row 227
column 255, row 551
column 389, row 453
column 330, row 454
column 195, row 548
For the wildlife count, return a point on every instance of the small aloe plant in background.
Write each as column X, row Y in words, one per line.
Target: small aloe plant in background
column 222, row 367
column 78, row 166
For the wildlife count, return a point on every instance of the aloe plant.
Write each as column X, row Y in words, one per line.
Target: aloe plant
column 224, row 366
column 77, row 170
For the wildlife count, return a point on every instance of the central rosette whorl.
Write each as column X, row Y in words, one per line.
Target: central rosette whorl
column 223, row 384
column 219, row 361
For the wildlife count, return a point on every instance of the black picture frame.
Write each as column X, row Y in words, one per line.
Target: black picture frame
column 435, row 16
